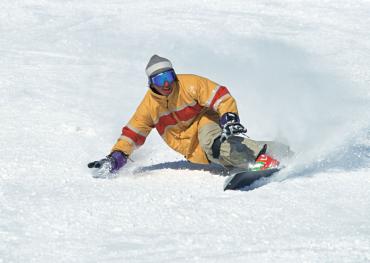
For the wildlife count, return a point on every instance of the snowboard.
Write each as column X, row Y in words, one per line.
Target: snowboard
column 243, row 179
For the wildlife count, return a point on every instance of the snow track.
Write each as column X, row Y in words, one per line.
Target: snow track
column 71, row 74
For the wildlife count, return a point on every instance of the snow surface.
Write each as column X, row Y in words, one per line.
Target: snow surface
column 72, row 73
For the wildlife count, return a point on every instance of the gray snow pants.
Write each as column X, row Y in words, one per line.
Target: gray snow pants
column 237, row 151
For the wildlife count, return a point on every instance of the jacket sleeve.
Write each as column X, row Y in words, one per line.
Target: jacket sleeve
column 212, row 95
column 135, row 132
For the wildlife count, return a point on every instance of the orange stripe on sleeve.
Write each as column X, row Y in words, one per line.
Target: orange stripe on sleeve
column 222, row 91
column 135, row 137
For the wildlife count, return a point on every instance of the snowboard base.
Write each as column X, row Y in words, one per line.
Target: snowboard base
column 242, row 179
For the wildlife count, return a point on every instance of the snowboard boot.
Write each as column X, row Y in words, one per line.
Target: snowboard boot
column 264, row 161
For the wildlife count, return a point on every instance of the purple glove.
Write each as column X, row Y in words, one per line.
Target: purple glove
column 230, row 124
column 119, row 160
column 112, row 163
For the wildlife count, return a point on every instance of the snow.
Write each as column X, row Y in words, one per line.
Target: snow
column 72, row 73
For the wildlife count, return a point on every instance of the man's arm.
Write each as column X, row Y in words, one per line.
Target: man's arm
column 132, row 137
column 212, row 95
column 218, row 98
column 134, row 133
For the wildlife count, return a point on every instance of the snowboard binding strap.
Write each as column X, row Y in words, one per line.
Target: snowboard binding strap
column 263, row 151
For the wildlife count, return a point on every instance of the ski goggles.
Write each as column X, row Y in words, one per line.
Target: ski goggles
column 161, row 78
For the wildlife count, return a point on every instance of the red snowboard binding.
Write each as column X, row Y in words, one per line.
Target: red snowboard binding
column 264, row 166
column 264, row 161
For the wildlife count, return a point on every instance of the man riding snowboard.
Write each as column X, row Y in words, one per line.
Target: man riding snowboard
column 194, row 116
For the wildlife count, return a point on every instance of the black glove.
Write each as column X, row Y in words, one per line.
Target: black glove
column 109, row 164
column 100, row 163
column 104, row 167
column 230, row 125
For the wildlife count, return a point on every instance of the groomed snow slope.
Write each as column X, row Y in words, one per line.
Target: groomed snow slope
column 71, row 75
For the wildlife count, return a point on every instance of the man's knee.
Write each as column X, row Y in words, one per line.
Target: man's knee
column 235, row 153
column 207, row 135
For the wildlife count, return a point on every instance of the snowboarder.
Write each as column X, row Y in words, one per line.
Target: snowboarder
column 194, row 116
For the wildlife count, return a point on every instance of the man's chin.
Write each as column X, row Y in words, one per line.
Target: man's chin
column 166, row 92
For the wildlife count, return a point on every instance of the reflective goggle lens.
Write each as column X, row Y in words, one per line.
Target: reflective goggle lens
column 161, row 78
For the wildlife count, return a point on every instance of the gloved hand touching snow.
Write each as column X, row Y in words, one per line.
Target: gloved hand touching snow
column 230, row 124
column 108, row 165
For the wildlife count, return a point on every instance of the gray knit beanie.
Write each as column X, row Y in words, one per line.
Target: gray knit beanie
column 157, row 65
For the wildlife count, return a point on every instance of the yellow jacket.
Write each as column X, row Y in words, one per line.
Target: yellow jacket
column 194, row 102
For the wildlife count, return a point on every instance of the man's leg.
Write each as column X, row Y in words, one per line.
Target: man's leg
column 236, row 151
column 232, row 153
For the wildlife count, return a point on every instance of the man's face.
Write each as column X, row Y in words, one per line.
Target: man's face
column 164, row 82
column 166, row 90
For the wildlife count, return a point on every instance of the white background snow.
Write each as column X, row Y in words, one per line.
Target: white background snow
column 71, row 75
